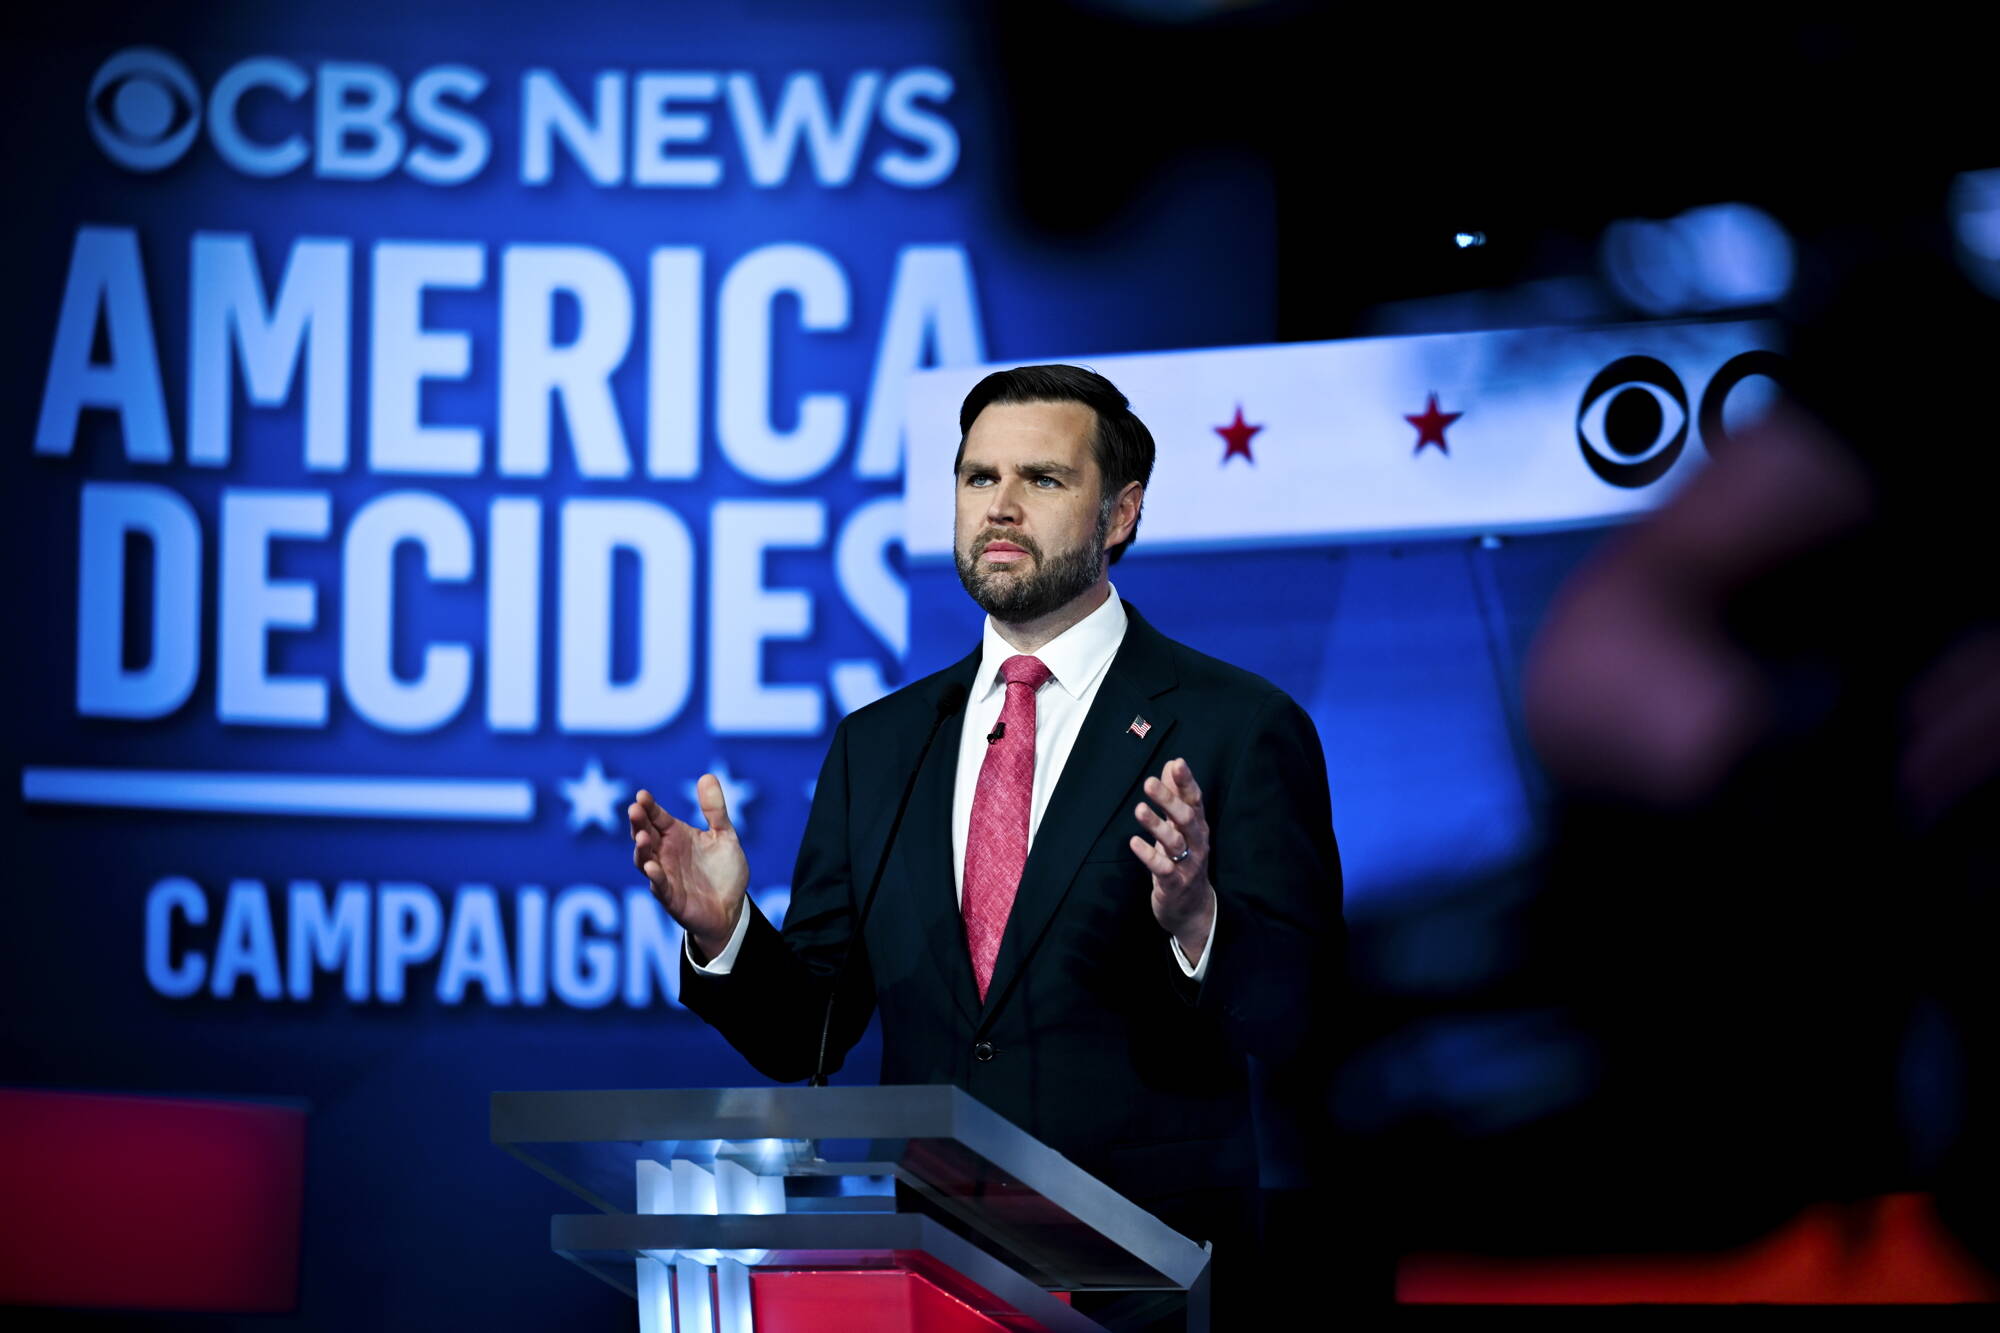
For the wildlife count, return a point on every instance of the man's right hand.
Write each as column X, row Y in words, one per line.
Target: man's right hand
column 700, row 876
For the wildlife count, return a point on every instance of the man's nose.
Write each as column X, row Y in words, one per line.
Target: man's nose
column 1003, row 503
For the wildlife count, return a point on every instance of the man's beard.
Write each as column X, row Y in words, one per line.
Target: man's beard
column 1014, row 599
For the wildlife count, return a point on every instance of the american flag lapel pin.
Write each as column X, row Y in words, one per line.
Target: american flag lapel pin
column 1140, row 726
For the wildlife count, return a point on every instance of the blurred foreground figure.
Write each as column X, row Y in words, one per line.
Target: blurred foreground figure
column 1774, row 711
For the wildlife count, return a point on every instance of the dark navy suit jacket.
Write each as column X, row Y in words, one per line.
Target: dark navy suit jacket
column 1093, row 1038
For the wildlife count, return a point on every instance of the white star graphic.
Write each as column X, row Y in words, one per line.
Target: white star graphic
column 736, row 793
column 591, row 798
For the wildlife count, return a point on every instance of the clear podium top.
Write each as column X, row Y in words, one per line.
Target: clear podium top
column 941, row 1153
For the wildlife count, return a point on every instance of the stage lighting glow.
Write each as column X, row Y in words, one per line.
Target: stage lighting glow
column 1975, row 224
column 1465, row 240
column 1717, row 257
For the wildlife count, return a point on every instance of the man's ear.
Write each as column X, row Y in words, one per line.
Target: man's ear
column 1125, row 514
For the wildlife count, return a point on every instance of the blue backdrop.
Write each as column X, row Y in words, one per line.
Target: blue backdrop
column 491, row 411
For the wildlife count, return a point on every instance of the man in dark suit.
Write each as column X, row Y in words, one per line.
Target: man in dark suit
column 1092, row 965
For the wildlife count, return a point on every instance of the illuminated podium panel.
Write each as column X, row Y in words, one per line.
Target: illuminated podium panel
column 708, row 1198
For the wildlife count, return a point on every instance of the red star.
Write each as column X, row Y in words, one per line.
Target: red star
column 1430, row 426
column 1237, row 436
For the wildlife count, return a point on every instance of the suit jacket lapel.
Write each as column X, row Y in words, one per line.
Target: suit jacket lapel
column 929, row 889
column 1106, row 761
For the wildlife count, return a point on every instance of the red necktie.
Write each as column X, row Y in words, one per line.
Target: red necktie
column 996, row 842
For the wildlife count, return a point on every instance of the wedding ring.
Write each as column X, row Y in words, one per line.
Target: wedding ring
column 1186, row 852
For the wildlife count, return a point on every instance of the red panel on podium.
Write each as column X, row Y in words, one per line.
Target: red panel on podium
column 916, row 1297
column 869, row 1301
column 150, row 1203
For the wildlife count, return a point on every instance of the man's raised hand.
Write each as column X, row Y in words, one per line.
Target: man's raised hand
column 699, row 875
column 1183, row 901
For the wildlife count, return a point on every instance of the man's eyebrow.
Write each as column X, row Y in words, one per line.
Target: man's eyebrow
column 1050, row 468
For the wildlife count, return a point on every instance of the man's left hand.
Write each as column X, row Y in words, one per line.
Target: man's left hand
column 1183, row 900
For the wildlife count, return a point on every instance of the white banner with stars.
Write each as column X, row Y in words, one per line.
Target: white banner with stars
column 1421, row 437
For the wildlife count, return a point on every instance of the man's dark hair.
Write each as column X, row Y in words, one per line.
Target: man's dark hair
column 1122, row 445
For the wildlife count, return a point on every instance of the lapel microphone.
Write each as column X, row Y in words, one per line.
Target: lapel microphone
column 999, row 730
column 947, row 703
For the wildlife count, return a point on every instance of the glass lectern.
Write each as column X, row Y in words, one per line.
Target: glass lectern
column 712, row 1201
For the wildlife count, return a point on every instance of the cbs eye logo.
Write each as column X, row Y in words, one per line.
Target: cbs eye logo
column 1633, row 421
column 143, row 108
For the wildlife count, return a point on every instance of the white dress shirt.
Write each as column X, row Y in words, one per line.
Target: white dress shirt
column 1077, row 660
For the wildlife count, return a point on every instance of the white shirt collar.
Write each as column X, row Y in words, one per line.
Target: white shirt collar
column 1076, row 657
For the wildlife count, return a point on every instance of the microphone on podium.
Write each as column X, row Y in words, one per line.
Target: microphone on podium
column 946, row 705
